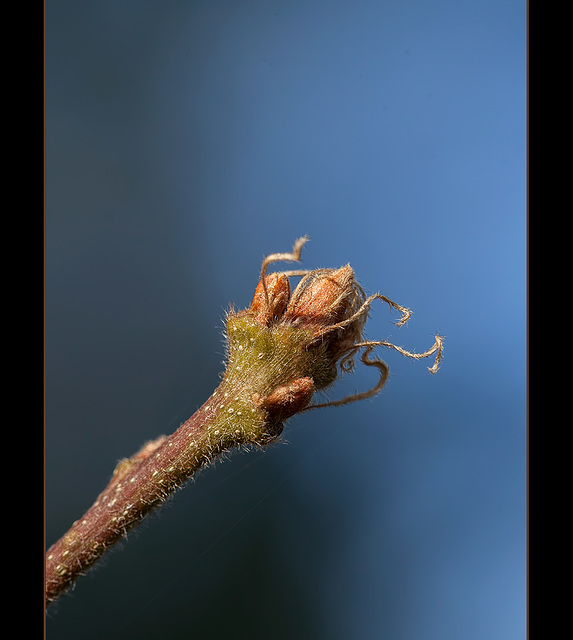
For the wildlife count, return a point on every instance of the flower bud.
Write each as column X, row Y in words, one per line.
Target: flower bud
column 268, row 306
column 327, row 298
column 287, row 400
column 323, row 298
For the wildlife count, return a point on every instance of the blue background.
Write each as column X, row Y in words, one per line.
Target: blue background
column 186, row 140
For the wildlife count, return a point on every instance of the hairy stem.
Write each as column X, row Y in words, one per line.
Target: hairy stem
column 279, row 352
column 260, row 390
column 138, row 485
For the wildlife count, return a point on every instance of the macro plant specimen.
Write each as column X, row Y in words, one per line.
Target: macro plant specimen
column 280, row 351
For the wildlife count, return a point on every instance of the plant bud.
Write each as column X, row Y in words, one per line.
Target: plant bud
column 325, row 299
column 270, row 305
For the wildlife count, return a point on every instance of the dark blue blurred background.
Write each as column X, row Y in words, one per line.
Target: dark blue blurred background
column 186, row 140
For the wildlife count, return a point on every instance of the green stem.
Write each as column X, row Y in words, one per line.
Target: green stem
column 235, row 415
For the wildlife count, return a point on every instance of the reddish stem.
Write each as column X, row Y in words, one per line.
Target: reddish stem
column 138, row 485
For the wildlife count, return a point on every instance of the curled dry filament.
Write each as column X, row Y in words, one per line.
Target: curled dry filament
column 355, row 307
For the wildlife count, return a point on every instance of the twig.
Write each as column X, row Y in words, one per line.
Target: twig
column 279, row 352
